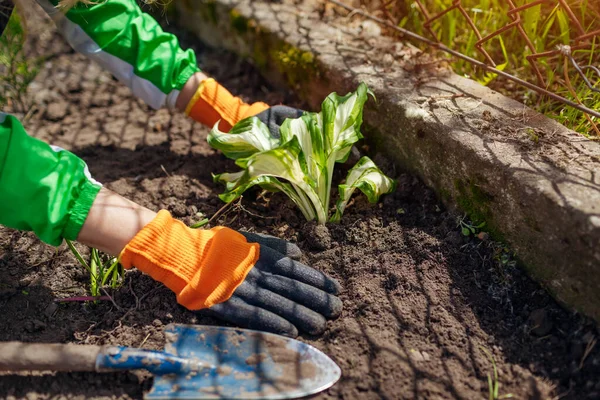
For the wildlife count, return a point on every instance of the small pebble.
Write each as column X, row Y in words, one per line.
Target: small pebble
column 388, row 60
column 539, row 322
column 56, row 111
column 51, row 309
column 370, row 29
column 35, row 326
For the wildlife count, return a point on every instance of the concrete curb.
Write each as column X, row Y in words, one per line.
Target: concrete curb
column 537, row 187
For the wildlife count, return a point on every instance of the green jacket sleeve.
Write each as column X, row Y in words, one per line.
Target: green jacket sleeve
column 43, row 189
column 130, row 44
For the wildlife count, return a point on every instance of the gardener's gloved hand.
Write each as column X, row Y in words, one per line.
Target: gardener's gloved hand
column 281, row 294
column 213, row 103
column 247, row 279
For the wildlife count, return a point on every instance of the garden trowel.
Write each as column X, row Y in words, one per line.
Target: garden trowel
column 199, row 362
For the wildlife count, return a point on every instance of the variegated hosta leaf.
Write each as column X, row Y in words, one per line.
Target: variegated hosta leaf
column 236, row 184
column 232, row 182
column 369, row 179
column 310, row 137
column 341, row 120
column 285, row 162
column 245, row 138
column 282, row 162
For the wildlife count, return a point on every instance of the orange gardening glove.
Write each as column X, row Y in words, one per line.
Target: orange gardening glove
column 212, row 102
column 251, row 280
column 190, row 261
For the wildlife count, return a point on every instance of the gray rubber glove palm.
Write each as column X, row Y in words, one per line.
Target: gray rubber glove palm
column 280, row 294
column 274, row 116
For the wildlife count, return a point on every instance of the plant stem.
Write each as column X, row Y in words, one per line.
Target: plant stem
column 303, row 202
column 200, row 224
column 94, row 273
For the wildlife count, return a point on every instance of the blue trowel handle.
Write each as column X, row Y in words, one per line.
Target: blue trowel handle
column 156, row 362
column 18, row 356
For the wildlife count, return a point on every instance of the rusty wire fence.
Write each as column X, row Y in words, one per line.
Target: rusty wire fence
column 548, row 48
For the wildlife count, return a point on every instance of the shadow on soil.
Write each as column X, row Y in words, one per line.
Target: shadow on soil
column 422, row 302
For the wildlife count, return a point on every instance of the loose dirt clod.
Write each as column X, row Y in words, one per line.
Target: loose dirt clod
column 540, row 322
column 317, row 236
column 56, row 111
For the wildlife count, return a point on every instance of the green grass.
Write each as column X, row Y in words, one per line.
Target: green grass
column 17, row 70
column 546, row 25
column 493, row 382
column 105, row 271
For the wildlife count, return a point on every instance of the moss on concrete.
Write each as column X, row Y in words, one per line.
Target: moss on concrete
column 260, row 55
column 444, row 194
column 211, row 11
column 296, row 65
column 472, row 200
column 240, row 23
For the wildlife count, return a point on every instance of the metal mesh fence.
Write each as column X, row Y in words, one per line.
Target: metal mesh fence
column 557, row 41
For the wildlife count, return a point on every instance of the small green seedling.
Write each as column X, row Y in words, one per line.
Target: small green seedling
column 493, row 383
column 105, row 271
column 468, row 228
column 202, row 221
column 301, row 162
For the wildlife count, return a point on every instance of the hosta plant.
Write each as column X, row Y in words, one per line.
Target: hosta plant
column 300, row 163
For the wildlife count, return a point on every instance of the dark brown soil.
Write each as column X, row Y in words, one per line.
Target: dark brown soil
column 423, row 304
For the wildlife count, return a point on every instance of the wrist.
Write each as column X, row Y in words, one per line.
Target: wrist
column 112, row 222
column 188, row 90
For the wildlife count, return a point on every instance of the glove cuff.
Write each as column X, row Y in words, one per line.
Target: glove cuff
column 213, row 103
column 202, row 267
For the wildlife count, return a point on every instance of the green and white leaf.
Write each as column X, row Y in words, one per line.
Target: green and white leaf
column 266, row 168
column 341, row 121
column 247, row 137
column 310, row 136
column 236, row 188
column 342, row 118
column 369, row 179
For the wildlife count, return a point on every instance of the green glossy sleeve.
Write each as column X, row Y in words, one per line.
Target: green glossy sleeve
column 130, row 44
column 43, row 189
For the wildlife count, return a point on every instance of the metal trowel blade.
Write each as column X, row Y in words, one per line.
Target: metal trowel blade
column 242, row 364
